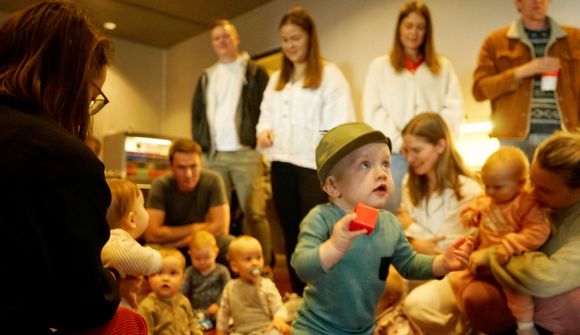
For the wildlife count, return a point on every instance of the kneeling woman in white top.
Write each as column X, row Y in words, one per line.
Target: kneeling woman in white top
column 307, row 97
column 435, row 190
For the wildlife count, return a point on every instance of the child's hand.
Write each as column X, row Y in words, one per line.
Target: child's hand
column 342, row 236
column 427, row 246
column 213, row 309
column 339, row 242
column 281, row 325
column 478, row 260
column 456, row 257
column 129, row 288
column 469, row 217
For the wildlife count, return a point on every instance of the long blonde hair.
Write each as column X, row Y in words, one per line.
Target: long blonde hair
column 426, row 49
column 560, row 154
column 432, row 128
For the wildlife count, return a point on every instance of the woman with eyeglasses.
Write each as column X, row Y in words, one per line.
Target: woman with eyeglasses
column 53, row 213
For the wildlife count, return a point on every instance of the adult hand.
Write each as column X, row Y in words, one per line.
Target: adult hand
column 537, row 66
column 428, row 246
column 266, row 138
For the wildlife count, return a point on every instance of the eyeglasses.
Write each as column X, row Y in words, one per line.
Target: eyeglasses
column 98, row 103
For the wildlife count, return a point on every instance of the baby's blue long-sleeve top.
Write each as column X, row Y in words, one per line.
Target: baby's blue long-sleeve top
column 343, row 299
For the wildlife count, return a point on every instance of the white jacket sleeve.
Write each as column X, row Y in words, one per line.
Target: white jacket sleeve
column 375, row 113
column 337, row 105
column 266, row 108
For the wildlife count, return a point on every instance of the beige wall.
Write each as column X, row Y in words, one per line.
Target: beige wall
column 352, row 33
column 151, row 89
column 136, row 88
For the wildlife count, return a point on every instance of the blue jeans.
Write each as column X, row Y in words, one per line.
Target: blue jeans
column 399, row 167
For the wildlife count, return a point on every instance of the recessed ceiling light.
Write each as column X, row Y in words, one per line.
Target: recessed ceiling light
column 110, row 25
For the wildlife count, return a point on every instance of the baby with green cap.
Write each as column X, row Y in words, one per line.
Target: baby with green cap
column 345, row 270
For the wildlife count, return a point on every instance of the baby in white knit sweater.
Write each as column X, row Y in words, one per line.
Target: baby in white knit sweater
column 128, row 219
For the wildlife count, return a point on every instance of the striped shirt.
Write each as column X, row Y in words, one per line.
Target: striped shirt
column 545, row 118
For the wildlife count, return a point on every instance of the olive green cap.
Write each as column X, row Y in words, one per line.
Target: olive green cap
column 342, row 140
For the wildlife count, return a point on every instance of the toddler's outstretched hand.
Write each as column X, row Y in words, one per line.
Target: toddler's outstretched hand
column 456, row 257
column 129, row 288
column 427, row 246
column 339, row 242
column 469, row 217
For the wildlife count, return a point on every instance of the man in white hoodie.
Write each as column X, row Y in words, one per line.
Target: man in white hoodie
column 226, row 108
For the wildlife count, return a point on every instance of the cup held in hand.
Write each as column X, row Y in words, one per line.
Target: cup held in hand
column 549, row 81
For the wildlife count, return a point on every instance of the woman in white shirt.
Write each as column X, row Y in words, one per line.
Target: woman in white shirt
column 412, row 79
column 307, row 97
column 435, row 190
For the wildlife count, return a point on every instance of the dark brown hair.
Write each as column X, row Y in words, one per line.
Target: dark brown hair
column 313, row 75
column 427, row 48
column 51, row 53
column 184, row 146
column 432, row 128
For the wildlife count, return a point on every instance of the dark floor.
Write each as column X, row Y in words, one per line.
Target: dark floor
column 281, row 276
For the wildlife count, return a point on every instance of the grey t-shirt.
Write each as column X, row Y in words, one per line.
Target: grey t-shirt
column 185, row 208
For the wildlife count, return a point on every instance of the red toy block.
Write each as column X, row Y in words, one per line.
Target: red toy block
column 366, row 218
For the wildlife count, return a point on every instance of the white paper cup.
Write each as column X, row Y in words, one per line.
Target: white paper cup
column 549, row 81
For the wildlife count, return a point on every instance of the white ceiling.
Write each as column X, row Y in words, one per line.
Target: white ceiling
column 158, row 23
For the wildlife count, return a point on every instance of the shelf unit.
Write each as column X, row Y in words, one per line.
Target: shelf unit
column 137, row 157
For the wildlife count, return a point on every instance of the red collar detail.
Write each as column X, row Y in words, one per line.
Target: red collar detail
column 413, row 65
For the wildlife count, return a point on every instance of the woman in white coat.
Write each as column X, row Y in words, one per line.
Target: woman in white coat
column 303, row 100
column 412, row 79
